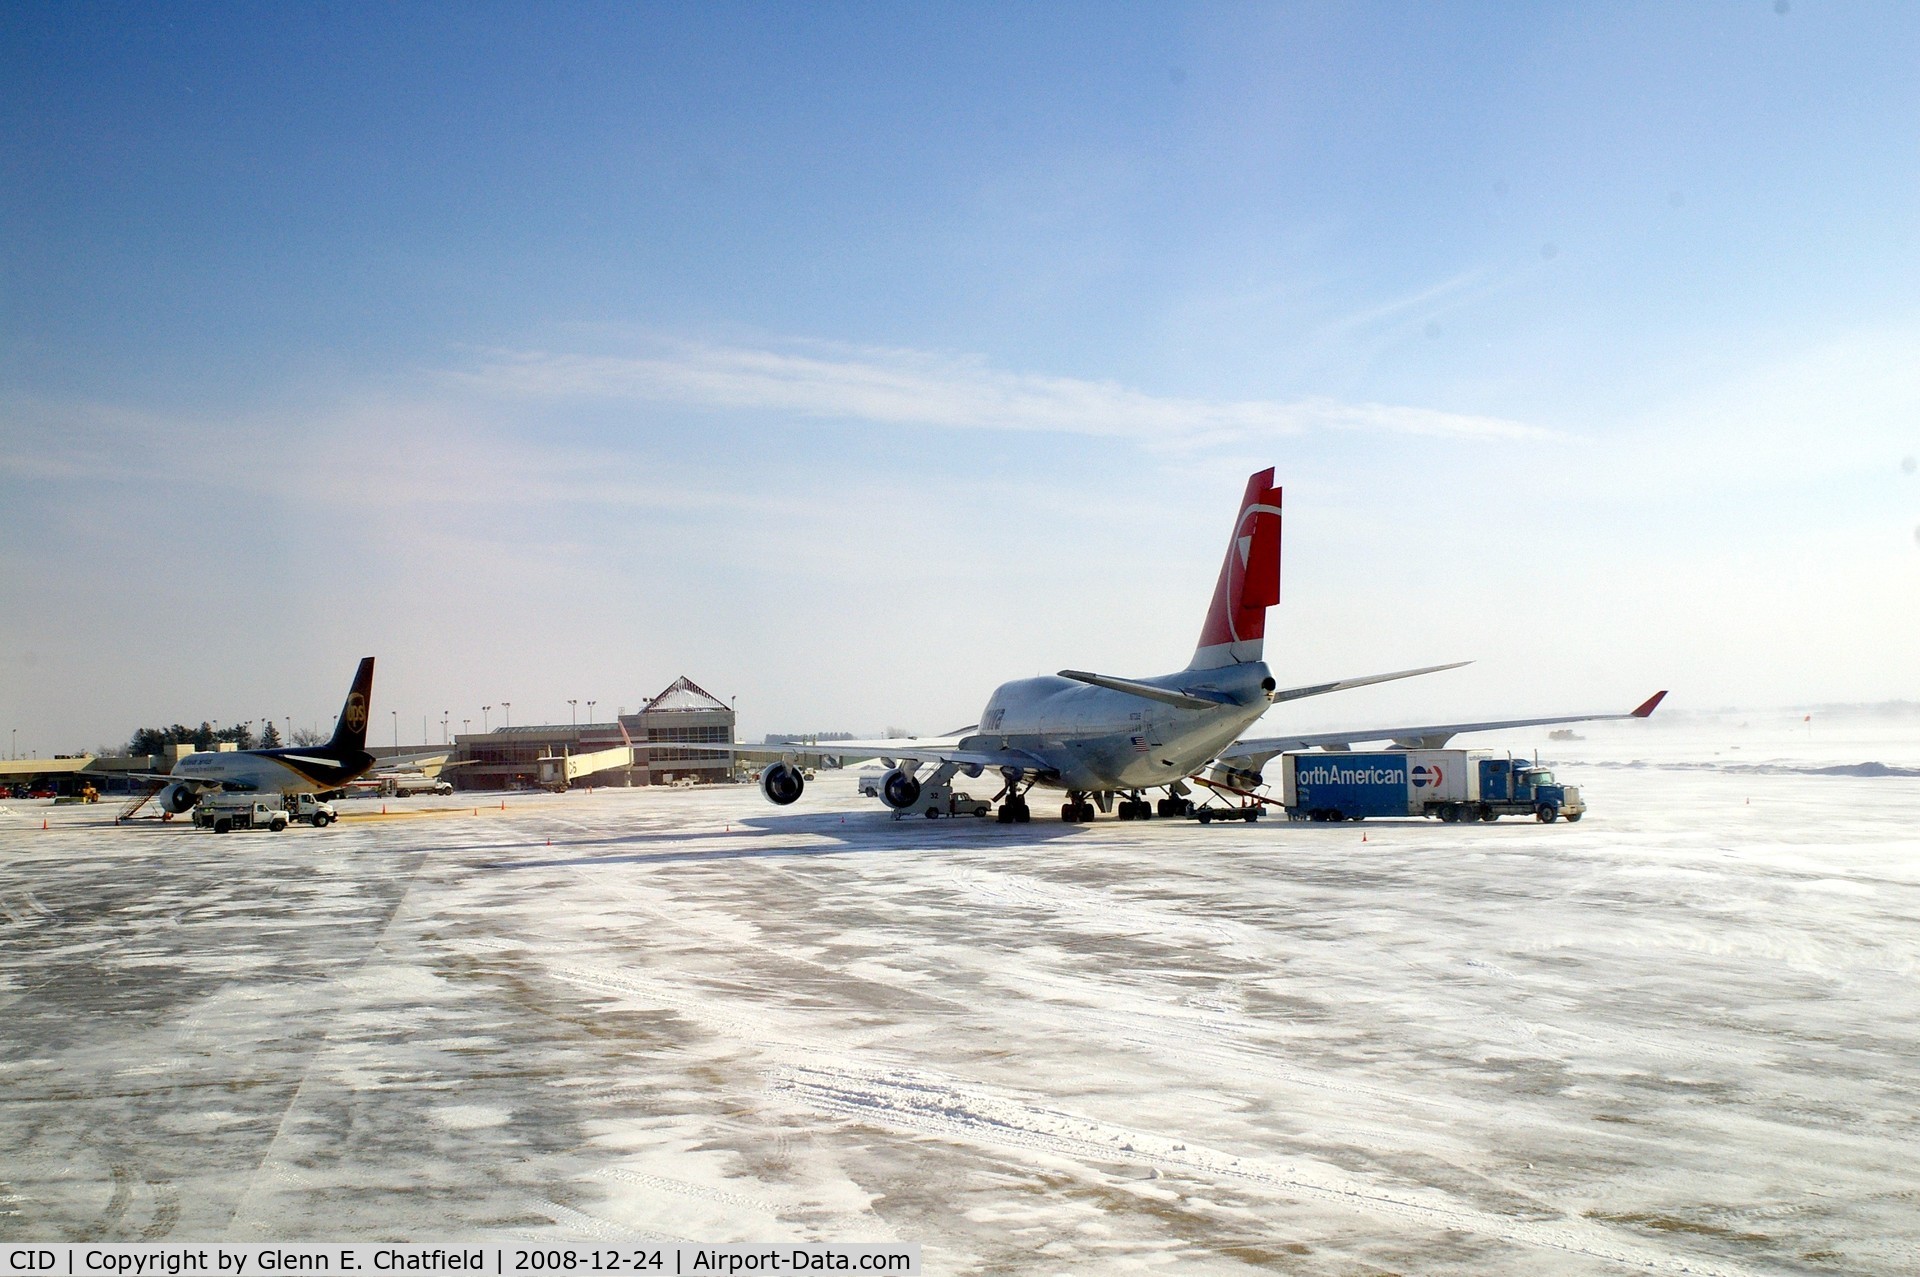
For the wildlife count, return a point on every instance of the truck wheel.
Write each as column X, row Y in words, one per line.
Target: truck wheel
column 1487, row 813
column 222, row 826
column 1547, row 813
column 276, row 825
column 1574, row 816
column 933, row 813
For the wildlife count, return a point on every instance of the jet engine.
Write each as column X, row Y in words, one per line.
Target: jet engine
column 178, row 798
column 899, row 789
column 782, row 783
column 1236, row 777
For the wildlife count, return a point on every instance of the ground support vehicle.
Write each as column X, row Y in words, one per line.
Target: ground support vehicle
column 310, row 810
column 959, row 803
column 407, row 786
column 1451, row 784
column 1223, row 802
column 224, row 813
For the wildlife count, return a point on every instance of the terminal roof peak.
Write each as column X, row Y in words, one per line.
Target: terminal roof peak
column 684, row 694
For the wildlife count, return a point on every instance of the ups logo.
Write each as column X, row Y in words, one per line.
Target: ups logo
column 356, row 712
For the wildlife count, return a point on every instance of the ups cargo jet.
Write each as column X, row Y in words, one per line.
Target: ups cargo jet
column 1106, row 741
column 288, row 770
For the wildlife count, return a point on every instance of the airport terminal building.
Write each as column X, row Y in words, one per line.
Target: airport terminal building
column 643, row 748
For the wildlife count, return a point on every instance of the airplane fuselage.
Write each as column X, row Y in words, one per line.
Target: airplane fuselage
column 283, row 771
column 1093, row 739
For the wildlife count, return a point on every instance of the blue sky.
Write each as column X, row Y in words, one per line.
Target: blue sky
column 853, row 358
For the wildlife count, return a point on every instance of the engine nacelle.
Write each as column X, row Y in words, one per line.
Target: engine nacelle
column 1236, row 777
column 782, row 783
column 899, row 789
column 178, row 798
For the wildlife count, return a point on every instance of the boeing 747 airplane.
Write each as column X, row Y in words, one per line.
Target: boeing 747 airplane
column 1106, row 741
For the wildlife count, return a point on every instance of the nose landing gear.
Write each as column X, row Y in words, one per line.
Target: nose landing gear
column 1013, row 810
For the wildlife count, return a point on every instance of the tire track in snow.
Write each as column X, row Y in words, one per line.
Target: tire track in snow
column 951, row 1110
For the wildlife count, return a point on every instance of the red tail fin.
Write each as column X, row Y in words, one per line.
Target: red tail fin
column 1249, row 584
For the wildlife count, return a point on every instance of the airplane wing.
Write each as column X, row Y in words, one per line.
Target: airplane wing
column 1321, row 689
column 1207, row 698
column 1253, row 753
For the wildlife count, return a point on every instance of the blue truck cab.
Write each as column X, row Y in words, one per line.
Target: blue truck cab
column 1516, row 787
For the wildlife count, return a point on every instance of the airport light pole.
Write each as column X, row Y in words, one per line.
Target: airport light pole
column 466, row 727
column 575, row 704
column 483, row 718
column 396, row 729
column 590, row 705
column 445, row 720
column 508, row 706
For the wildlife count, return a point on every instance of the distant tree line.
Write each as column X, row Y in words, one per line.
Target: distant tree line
column 155, row 740
column 805, row 738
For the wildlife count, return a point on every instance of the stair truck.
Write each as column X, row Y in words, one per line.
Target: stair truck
column 1452, row 784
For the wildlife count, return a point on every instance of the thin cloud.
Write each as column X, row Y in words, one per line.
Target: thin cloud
column 908, row 388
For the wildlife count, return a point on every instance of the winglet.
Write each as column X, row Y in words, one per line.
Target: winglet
column 1652, row 703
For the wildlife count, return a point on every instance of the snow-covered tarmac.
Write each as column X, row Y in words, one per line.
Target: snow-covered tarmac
column 1680, row 1036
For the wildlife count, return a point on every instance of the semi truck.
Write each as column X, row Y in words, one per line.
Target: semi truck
column 408, row 784
column 1452, row 784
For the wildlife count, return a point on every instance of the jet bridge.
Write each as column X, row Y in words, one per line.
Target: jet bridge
column 558, row 771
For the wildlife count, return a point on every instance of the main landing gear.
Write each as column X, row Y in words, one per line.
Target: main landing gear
column 1136, row 807
column 1076, row 810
